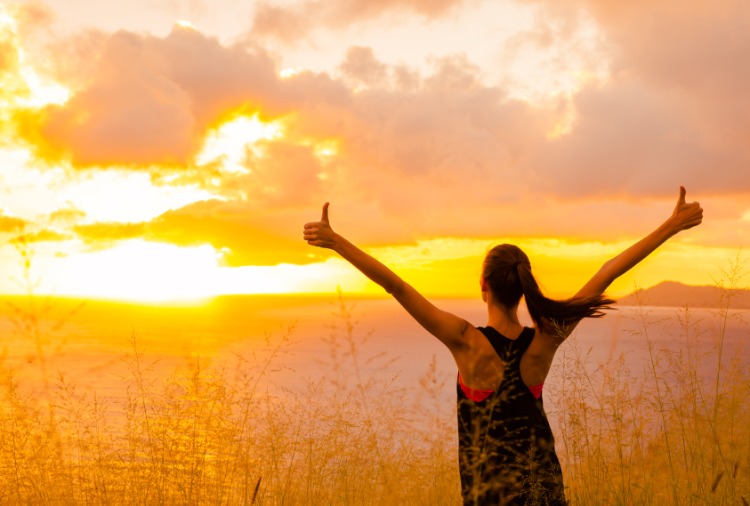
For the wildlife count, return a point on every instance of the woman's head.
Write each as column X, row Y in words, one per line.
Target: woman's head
column 506, row 273
column 500, row 272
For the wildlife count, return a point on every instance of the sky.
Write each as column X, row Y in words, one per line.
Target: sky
column 173, row 149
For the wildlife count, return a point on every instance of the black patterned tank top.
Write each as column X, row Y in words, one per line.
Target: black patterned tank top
column 506, row 449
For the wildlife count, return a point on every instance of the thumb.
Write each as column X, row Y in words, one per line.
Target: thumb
column 681, row 200
column 325, row 213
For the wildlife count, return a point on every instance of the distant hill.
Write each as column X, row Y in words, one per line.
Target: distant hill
column 674, row 294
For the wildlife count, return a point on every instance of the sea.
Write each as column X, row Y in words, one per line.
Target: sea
column 291, row 342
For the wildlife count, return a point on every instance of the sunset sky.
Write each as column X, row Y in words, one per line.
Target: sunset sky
column 169, row 149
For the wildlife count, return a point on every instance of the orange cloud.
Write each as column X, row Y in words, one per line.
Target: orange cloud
column 416, row 154
column 243, row 233
column 44, row 235
column 104, row 234
column 247, row 235
column 67, row 215
column 11, row 223
column 674, row 107
column 149, row 101
column 293, row 22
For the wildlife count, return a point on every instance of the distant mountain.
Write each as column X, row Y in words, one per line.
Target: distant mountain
column 672, row 293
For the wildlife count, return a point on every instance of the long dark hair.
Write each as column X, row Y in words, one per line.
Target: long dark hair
column 507, row 272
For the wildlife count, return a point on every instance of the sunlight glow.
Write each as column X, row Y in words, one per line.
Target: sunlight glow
column 6, row 20
column 326, row 149
column 452, row 266
column 290, row 72
column 37, row 91
column 112, row 195
column 447, row 267
column 183, row 23
column 108, row 196
column 157, row 272
column 228, row 144
column 138, row 270
column 42, row 93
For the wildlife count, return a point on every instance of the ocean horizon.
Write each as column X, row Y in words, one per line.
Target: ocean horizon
column 297, row 341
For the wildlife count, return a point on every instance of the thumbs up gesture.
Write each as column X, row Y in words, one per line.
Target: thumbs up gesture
column 685, row 215
column 320, row 233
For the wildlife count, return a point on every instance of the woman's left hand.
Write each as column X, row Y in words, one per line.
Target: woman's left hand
column 685, row 215
column 320, row 233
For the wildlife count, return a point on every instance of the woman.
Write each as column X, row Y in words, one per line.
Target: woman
column 506, row 448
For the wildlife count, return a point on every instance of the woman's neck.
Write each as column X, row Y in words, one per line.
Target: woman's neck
column 504, row 320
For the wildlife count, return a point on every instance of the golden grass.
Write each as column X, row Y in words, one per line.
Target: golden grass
column 216, row 435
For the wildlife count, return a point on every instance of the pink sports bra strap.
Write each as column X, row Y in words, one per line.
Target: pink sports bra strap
column 478, row 395
column 536, row 390
column 474, row 394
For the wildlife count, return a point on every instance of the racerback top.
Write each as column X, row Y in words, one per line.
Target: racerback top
column 506, row 449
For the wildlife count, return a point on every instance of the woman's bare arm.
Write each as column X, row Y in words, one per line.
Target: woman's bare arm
column 685, row 216
column 447, row 327
column 538, row 359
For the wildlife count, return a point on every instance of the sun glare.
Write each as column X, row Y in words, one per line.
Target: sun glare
column 42, row 93
column 6, row 20
column 562, row 265
column 290, row 72
column 38, row 92
column 159, row 273
column 227, row 144
column 139, row 270
column 184, row 23
column 109, row 196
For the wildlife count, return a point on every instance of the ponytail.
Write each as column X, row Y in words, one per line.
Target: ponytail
column 507, row 271
column 554, row 315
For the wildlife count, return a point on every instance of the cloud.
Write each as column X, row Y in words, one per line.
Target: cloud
column 106, row 234
column 243, row 233
column 631, row 139
column 674, row 107
column 404, row 154
column 292, row 23
column 363, row 68
column 32, row 16
column 149, row 101
column 11, row 224
column 69, row 214
column 44, row 235
column 12, row 86
column 148, row 104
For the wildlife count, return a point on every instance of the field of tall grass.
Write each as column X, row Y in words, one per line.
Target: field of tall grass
column 217, row 434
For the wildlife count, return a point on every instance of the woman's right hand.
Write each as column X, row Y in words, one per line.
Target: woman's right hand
column 320, row 233
column 685, row 215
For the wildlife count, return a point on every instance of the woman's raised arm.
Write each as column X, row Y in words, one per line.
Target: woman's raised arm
column 447, row 327
column 685, row 216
